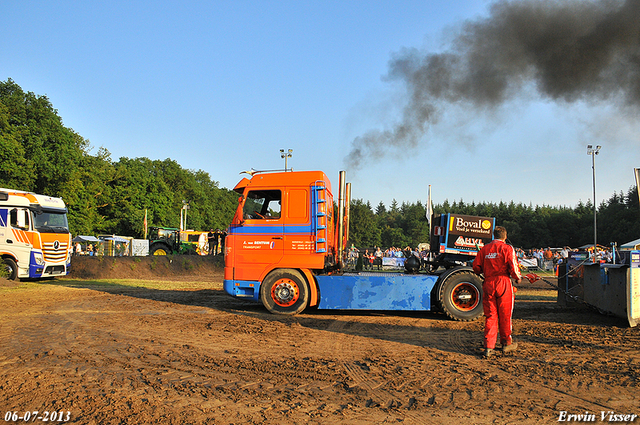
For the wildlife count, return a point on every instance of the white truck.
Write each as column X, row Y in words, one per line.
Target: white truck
column 35, row 241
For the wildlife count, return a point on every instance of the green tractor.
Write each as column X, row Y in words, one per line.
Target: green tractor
column 166, row 241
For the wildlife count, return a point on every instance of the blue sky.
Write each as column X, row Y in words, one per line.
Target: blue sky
column 223, row 86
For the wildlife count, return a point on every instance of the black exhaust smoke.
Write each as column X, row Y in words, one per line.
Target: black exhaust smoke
column 565, row 51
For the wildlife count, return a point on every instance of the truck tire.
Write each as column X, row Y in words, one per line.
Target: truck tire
column 461, row 296
column 284, row 291
column 159, row 249
column 11, row 268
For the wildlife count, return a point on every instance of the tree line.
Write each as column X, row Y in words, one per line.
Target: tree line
column 39, row 154
column 617, row 218
column 105, row 196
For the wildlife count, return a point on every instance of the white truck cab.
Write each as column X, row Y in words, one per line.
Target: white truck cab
column 35, row 241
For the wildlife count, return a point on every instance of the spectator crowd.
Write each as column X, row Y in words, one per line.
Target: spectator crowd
column 541, row 258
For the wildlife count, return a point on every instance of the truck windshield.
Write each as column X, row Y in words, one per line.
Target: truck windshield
column 49, row 221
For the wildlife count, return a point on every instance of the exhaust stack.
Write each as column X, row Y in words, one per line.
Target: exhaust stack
column 341, row 214
column 347, row 213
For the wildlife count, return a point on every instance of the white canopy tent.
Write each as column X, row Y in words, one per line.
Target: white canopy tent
column 81, row 238
column 629, row 246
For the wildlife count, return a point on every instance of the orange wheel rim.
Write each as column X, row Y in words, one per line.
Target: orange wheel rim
column 465, row 296
column 285, row 292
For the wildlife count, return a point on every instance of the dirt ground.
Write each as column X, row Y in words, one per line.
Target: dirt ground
column 183, row 352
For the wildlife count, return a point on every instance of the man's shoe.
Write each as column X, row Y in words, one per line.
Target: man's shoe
column 488, row 352
column 506, row 349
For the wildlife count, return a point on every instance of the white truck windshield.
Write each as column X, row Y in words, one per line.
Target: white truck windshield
column 51, row 221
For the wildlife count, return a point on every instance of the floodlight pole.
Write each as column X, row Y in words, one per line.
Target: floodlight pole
column 183, row 219
column 593, row 152
column 286, row 155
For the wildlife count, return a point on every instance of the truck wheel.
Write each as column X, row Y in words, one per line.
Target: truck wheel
column 11, row 268
column 159, row 250
column 284, row 291
column 461, row 296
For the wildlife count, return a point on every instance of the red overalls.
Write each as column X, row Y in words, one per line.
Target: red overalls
column 498, row 262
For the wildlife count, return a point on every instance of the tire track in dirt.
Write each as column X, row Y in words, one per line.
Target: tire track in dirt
column 458, row 375
column 588, row 358
column 464, row 341
column 448, row 382
column 377, row 395
column 551, row 396
column 473, row 374
column 508, row 370
column 168, row 371
column 101, row 360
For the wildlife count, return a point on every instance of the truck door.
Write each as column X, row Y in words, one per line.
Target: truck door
column 15, row 241
column 298, row 237
column 259, row 241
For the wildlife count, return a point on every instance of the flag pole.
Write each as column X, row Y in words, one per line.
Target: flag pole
column 429, row 211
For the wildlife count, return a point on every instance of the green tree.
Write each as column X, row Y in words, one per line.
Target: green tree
column 363, row 228
column 13, row 165
column 38, row 153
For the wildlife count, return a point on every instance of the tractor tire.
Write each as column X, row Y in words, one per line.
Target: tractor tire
column 11, row 268
column 284, row 291
column 461, row 296
column 160, row 249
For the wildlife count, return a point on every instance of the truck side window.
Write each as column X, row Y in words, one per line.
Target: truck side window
column 19, row 218
column 263, row 205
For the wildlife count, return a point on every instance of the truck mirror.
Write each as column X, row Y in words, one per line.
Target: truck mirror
column 22, row 219
column 238, row 218
column 19, row 218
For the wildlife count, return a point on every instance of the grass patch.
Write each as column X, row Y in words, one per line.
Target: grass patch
column 536, row 295
column 114, row 285
column 162, row 285
column 541, row 273
column 187, row 265
column 20, row 285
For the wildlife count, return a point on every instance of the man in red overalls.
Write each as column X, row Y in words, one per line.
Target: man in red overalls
column 498, row 262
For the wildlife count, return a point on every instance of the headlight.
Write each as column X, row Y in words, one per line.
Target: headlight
column 37, row 256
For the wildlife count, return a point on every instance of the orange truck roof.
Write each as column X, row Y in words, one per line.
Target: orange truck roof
column 283, row 179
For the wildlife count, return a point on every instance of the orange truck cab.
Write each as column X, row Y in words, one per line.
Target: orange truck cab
column 285, row 249
column 281, row 234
